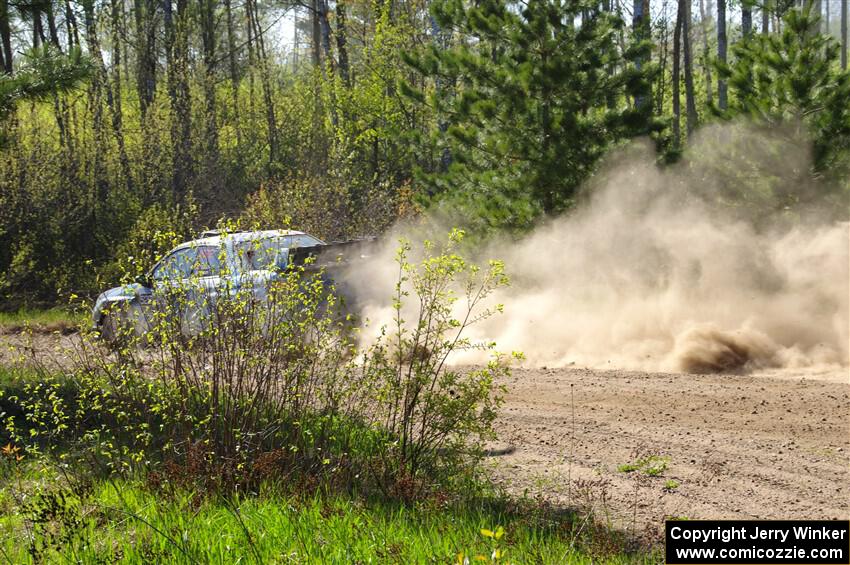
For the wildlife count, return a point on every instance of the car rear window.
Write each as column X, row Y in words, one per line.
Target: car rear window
column 301, row 240
column 266, row 254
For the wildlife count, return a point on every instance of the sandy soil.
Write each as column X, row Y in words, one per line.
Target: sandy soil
column 773, row 445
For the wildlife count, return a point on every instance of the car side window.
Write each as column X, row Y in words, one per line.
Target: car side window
column 178, row 265
column 208, row 262
column 257, row 254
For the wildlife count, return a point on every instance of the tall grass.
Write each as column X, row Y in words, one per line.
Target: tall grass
column 52, row 319
column 127, row 522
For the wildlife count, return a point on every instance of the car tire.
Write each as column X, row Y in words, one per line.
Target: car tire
column 109, row 328
column 192, row 322
column 121, row 324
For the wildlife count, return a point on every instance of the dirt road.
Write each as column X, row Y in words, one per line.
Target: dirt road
column 755, row 446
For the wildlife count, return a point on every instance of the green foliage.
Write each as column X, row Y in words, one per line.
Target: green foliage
column 86, row 176
column 791, row 86
column 433, row 410
column 126, row 521
column 529, row 104
column 157, row 231
column 649, row 465
column 216, row 380
column 61, row 319
column 225, row 387
column 343, row 212
column 36, row 406
column 45, row 72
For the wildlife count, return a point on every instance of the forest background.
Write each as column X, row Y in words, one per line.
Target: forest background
column 129, row 125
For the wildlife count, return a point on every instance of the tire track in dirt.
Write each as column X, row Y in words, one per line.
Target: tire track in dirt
column 739, row 446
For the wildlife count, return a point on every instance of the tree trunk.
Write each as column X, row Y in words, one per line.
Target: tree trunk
column 661, row 90
column 765, row 19
column 641, row 27
column 234, row 73
column 252, row 59
column 706, row 53
column 6, row 36
column 690, row 102
column 610, row 98
column 721, row 52
column 677, row 57
column 73, row 38
column 325, row 27
column 208, row 40
column 37, row 32
column 265, row 81
column 843, row 35
column 341, row 41
column 145, row 54
column 317, row 33
column 113, row 99
column 60, row 109
column 178, row 93
column 826, row 21
column 746, row 18
column 70, row 25
column 99, row 182
column 51, row 27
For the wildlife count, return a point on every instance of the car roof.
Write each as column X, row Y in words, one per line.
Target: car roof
column 236, row 237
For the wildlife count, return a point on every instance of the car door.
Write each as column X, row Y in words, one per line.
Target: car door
column 257, row 262
column 206, row 273
column 174, row 293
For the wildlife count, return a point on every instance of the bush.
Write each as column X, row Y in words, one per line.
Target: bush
column 437, row 413
column 226, row 388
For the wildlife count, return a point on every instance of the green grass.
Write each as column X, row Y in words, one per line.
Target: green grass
column 50, row 319
column 122, row 521
column 651, row 465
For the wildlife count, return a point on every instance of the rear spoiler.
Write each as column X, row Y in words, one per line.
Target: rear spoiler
column 333, row 254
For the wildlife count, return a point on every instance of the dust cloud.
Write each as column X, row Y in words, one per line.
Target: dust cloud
column 656, row 270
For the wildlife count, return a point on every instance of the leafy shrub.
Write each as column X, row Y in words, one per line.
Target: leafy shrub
column 261, row 378
column 157, row 230
column 435, row 411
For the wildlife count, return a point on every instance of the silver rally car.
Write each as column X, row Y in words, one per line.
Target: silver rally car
column 216, row 261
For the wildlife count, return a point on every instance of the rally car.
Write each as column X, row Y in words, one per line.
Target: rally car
column 216, row 262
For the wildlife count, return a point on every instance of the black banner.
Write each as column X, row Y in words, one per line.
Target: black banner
column 811, row 542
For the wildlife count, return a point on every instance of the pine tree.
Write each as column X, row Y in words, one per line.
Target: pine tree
column 540, row 93
column 43, row 73
column 793, row 78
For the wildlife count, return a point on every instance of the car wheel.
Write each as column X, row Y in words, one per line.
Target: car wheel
column 109, row 328
column 122, row 324
column 192, row 321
